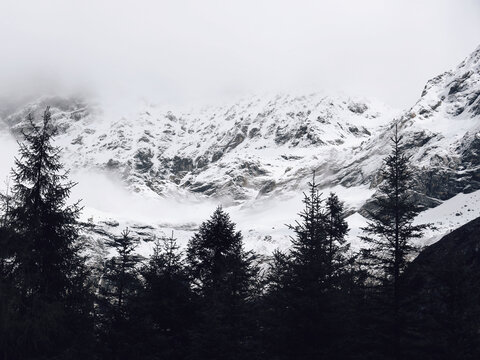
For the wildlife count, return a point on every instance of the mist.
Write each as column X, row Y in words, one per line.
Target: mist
column 105, row 195
column 189, row 51
column 8, row 152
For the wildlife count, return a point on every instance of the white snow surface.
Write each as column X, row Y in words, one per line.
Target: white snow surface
column 445, row 218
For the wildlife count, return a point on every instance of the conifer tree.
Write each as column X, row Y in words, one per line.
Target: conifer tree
column 337, row 229
column 302, row 296
column 121, row 272
column 222, row 275
column 6, row 243
column 8, row 293
column 389, row 235
column 118, row 292
column 309, row 245
column 165, row 306
column 47, row 271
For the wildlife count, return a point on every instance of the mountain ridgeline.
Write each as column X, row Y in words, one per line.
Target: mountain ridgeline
column 268, row 146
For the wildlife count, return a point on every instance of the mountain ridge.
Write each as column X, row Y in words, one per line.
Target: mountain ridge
column 264, row 149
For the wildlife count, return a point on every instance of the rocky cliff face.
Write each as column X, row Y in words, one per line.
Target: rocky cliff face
column 251, row 149
column 441, row 134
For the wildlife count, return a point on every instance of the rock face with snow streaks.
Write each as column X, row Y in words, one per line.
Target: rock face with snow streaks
column 266, row 148
column 251, row 149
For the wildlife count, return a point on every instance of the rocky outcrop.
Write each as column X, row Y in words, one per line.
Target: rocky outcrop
column 442, row 297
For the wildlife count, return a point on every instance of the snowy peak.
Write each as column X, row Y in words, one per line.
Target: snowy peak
column 457, row 91
column 441, row 134
column 446, row 123
column 241, row 151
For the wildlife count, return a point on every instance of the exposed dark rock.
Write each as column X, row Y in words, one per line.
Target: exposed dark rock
column 418, row 139
column 441, row 286
column 439, row 183
column 322, row 120
column 365, row 131
column 301, row 131
column 180, row 164
column 353, row 130
column 435, row 107
column 424, row 201
column 201, row 162
column 268, row 187
column 459, row 110
column 472, row 98
column 237, row 140
column 471, row 153
column 111, row 223
column 217, row 155
column 253, row 169
column 142, row 227
column 354, row 177
column 291, row 157
column 419, row 198
column 113, row 164
column 143, row 160
column 459, row 84
column 357, row 108
column 144, row 138
column 253, row 132
column 475, row 109
column 77, row 141
column 206, row 188
column 282, row 136
column 171, row 117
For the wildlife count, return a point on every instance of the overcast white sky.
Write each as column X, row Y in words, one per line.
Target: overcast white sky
column 180, row 51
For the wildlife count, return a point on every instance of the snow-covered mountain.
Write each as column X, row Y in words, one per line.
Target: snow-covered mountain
column 239, row 152
column 441, row 134
column 260, row 152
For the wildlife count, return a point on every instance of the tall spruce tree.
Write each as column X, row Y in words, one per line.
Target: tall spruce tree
column 223, row 276
column 310, row 243
column 51, row 316
column 389, row 235
column 118, row 292
column 8, row 292
column 304, row 312
column 337, row 229
column 165, row 306
column 121, row 269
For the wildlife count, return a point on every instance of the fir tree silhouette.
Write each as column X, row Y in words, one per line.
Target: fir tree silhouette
column 223, row 276
column 52, row 316
column 389, row 235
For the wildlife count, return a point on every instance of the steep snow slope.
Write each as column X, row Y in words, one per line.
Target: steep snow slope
column 446, row 217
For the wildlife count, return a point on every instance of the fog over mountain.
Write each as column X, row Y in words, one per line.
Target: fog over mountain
column 173, row 109
column 181, row 52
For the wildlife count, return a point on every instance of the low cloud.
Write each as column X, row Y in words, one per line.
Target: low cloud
column 185, row 51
